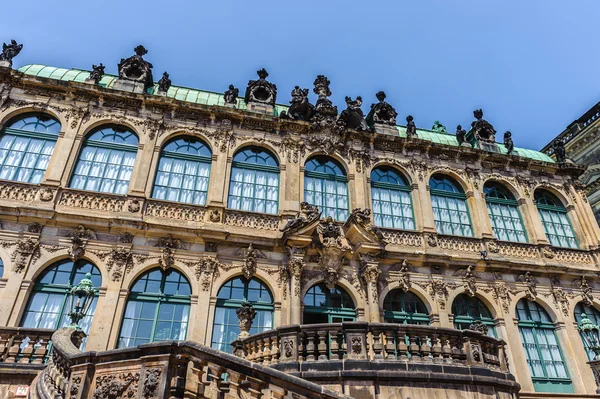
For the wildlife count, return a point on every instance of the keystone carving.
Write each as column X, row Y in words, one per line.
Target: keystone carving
column 530, row 284
column 168, row 245
column 207, row 270
column 332, row 245
column 249, row 266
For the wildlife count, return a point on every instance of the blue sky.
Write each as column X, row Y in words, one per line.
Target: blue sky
column 533, row 66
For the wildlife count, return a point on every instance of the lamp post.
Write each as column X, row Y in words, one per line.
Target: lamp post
column 81, row 299
column 590, row 333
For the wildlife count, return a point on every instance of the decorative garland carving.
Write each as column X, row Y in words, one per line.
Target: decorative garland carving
column 207, row 269
column 114, row 386
column 151, row 382
column 560, row 297
column 293, row 149
column 502, row 295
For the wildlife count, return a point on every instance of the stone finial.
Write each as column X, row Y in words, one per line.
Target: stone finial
column 246, row 314
column 135, row 73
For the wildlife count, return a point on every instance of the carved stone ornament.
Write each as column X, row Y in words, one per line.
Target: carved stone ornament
column 215, row 216
column 439, row 290
column 120, row 261
column 327, row 134
column 261, row 91
column 477, row 325
column 438, row 127
column 332, row 244
column 74, row 385
column 331, row 277
column 46, row 194
column 115, row 386
column 502, row 295
column 134, row 205
column 82, row 232
column 136, row 69
column 35, row 228
column 469, row 281
column 531, row 285
column 356, row 344
column 168, row 245
column 249, row 266
column 151, row 382
column 164, row 84
column 97, row 73
column 404, row 277
column 77, row 249
column 308, row 214
column 482, row 129
column 288, row 348
column 295, row 267
column 246, row 314
column 548, row 252
column 381, row 113
column 411, row 128
column 353, row 117
column 10, row 51
column 370, row 274
column 207, row 270
column 558, row 147
column 508, row 143
column 26, row 252
column 126, row 238
column 363, row 218
column 231, row 95
column 586, row 292
column 300, row 109
column 432, row 240
column 560, row 296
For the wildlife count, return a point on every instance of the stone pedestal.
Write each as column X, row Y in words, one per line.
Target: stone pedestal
column 128, row 85
column 595, row 365
column 90, row 81
column 386, row 129
column 6, row 64
column 266, row 109
column 491, row 147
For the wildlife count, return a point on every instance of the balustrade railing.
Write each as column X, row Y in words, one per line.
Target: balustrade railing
column 24, row 345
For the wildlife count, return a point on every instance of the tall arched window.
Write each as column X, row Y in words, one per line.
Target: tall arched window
column 591, row 313
column 392, row 205
column 504, row 213
column 106, row 160
column 555, row 220
column 48, row 305
column 449, row 202
column 542, row 351
column 467, row 310
column 404, row 308
column 231, row 296
column 26, row 146
column 183, row 171
column 324, row 305
column 326, row 185
column 254, row 184
column 157, row 309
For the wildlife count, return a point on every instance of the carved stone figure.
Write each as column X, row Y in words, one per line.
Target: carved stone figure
column 261, row 91
column 82, row 232
column 308, row 214
column 168, row 245
column 35, row 227
column 411, row 128
column 382, row 112
column 460, row 134
column 330, row 234
column 246, row 314
column 249, row 267
column 404, row 278
column 438, row 127
column 531, row 285
column 151, row 382
column 164, row 83
column 559, row 151
column 231, row 95
column 77, row 250
column 26, row 252
column 136, row 69
column 332, row 244
column 10, row 51
column 586, row 292
column 300, row 108
column 477, row 325
column 508, row 143
column 484, row 131
column 353, row 117
column 97, row 73
column 470, row 282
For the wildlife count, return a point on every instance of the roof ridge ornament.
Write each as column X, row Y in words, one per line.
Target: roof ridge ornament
column 135, row 73
column 261, row 91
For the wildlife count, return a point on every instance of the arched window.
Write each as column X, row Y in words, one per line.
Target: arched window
column 324, row 305
column 504, row 213
column 449, row 202
column 404, row 308
column 555, row 220
column 106, row 160
column 26, row 146
column 183, row 171
column 157, row 309
column 231, row 296
column 542, row 351
column 326, row 185
column 467, row 310
column 254, row 184
column 48, row 305
column 591, row 313
column 392, row 205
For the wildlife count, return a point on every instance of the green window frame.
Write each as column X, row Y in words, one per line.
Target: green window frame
column 157, row 309
column 450, row 210
column 591, row 313
column 469, row 309
column 324, row 306
column 48, row 304
column 230, row 297
column 405, row 308
column 546, row 363
column 326, row 186
column 503, row 210
column 392, row 200
column 254, row 183
column 106, row 160
column 26, row 145
column 183, row 171
column 555, row 219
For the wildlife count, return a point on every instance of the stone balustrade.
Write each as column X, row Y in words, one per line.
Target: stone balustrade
column 24, row 345
column 163, row 369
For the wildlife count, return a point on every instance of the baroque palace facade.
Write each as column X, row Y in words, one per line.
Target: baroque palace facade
column 196, row 213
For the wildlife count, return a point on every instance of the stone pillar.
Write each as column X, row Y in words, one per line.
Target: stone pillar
column 484, row 221
column 519, row 366
column 535, row 231
column 60, row 157
column 104, row 319
column 296, row 264
column 570, row 357
column 140, row 175
column 476, row 212
column 426, row 209
column 595, row 366
column 370, row 273
column 220, row 170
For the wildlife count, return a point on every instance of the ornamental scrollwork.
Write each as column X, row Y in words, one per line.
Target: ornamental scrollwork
column 294, row 149
column 207, row 270
column 151, row 382
column 560, row 296
column 222, row 136
column 502, row 295
column 530, row 284
column 26, row 252
column 586, row 291
column 114, row 386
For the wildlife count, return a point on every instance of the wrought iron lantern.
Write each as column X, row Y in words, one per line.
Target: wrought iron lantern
column 591, row 335
column 81, row 298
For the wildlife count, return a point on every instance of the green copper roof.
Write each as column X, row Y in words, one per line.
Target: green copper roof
column 211, row 98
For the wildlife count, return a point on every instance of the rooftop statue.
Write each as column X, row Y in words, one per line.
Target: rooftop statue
column 10, row 51
column 136, row 69
column 411, row 128
column 559, row 151
column 164, row 83
column 324, row 106
column 508, row 143
column 353, row 116
column 460, row 135
column 300, row 108
column 438, row 127
column 231, row 95
column 261, row 91
column 382, row 112
column 483, row 130
column 97, row 73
